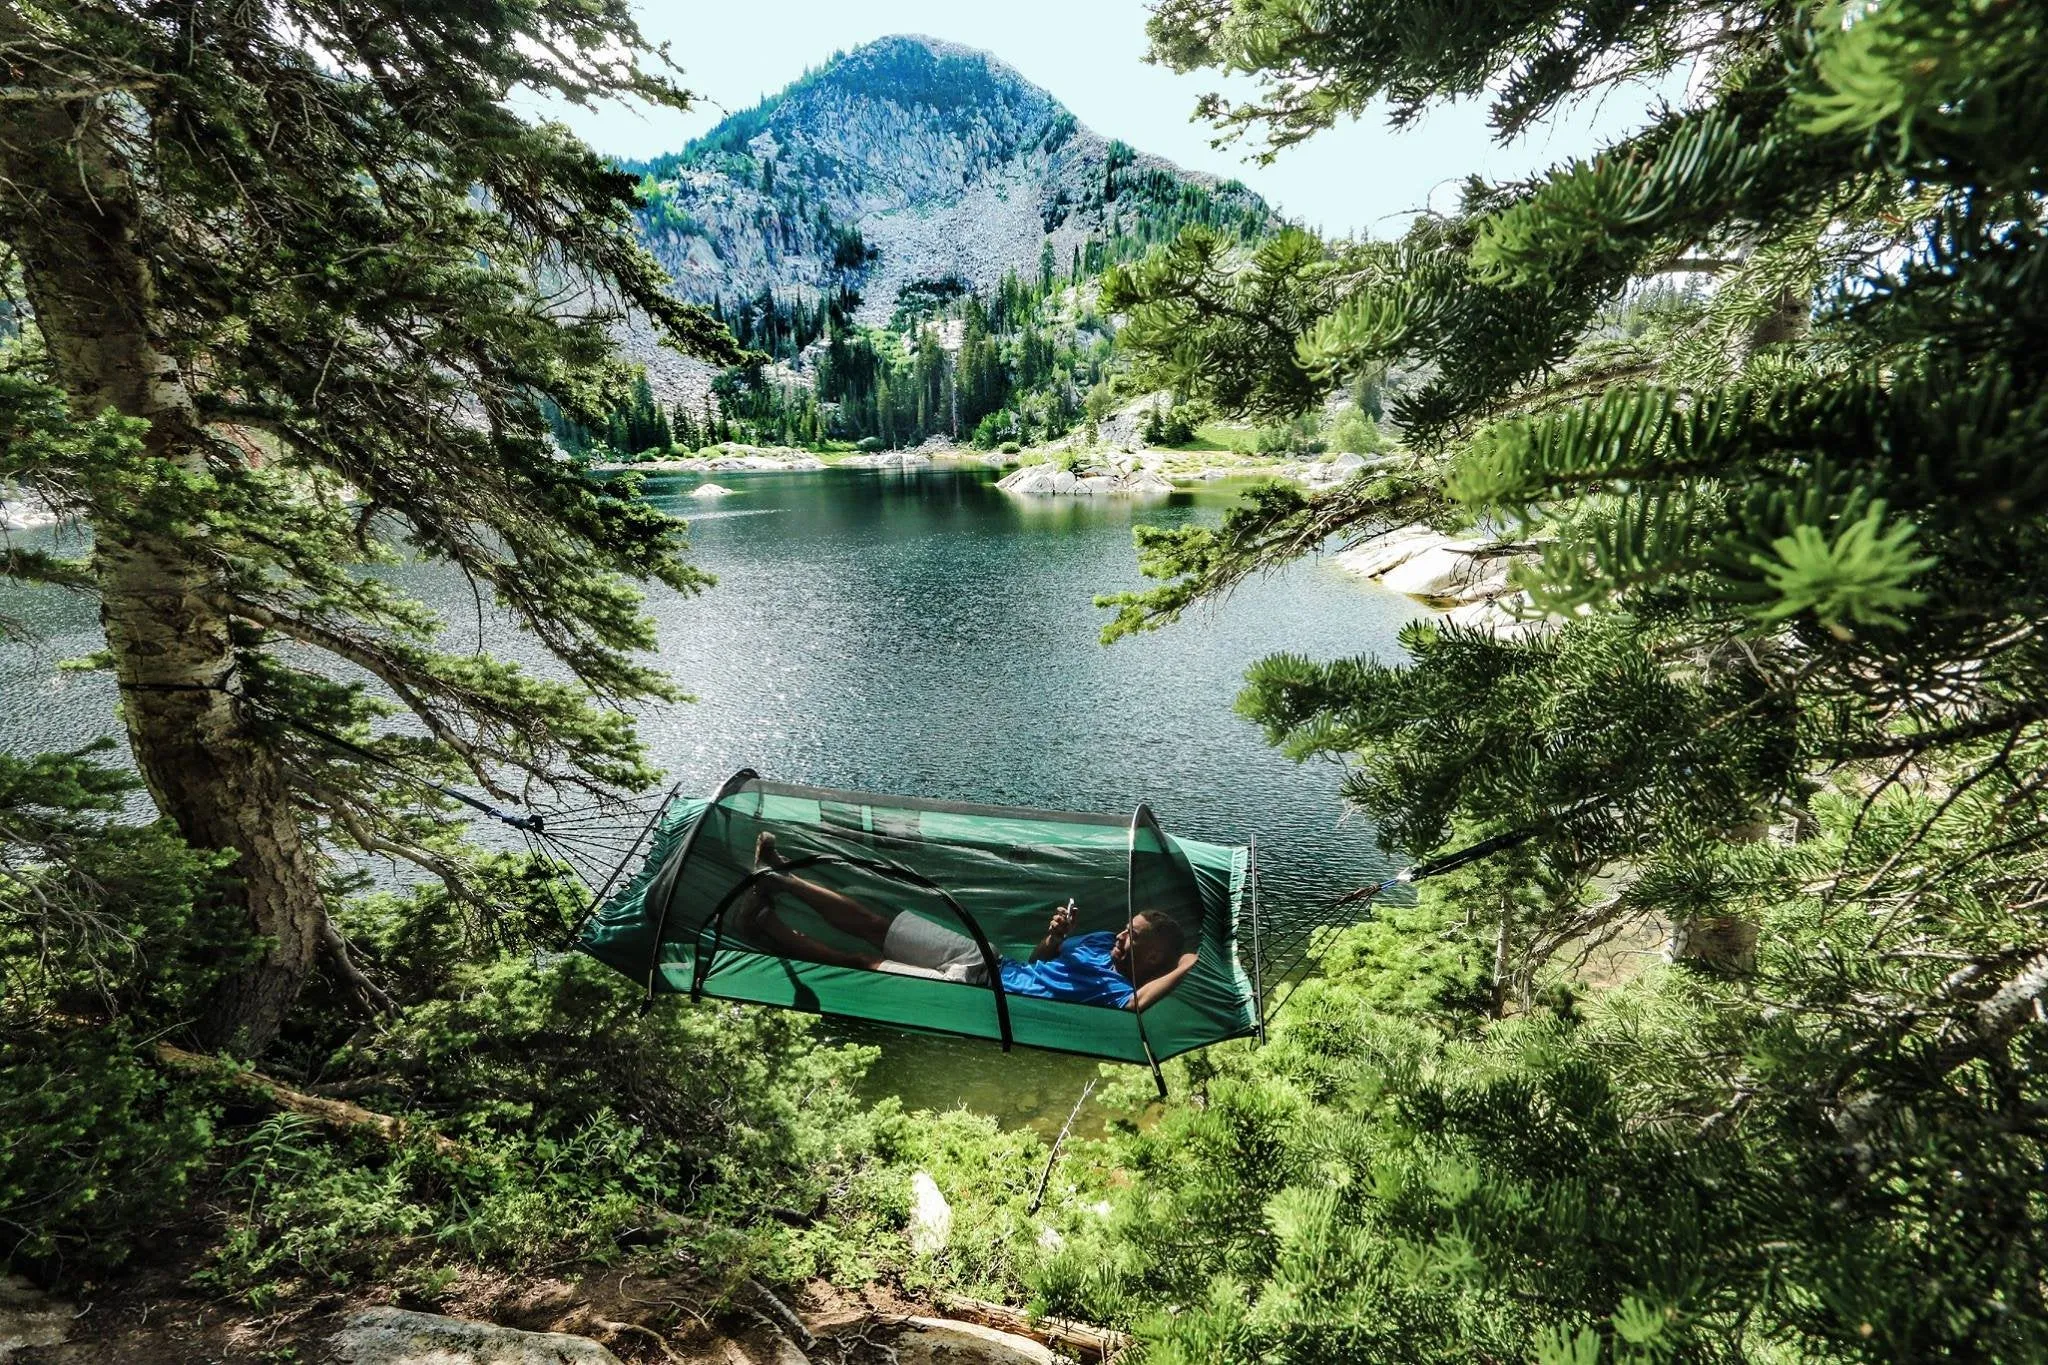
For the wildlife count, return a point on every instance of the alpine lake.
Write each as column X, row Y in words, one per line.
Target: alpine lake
column 920, row 631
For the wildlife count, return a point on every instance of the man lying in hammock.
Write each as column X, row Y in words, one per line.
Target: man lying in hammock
column 1127, row 970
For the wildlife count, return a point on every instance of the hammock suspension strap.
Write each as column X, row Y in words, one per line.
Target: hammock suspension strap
column 1428, row 867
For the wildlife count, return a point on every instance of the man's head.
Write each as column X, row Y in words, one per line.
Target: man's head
column 1150, row 946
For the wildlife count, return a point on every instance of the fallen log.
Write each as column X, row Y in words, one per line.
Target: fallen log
column 1078, row 1338
column 338, row 1114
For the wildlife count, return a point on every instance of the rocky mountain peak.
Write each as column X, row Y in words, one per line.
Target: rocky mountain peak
column 906, row 163
column 916, row 72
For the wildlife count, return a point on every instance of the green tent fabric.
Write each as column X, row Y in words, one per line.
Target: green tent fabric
column 992, row 873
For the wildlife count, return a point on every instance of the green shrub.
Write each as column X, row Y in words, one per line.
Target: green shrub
column 1009, row 448
column 584, row 1117
column 995, row 428
column 868, row 445
column 100, row 1146
column 1172, row 425
column 1357, row 433
column 109, row 936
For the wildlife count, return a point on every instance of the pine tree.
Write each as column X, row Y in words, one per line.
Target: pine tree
column 1789, row 530
column 280, row 265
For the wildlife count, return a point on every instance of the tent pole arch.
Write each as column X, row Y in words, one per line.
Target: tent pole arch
column 664, row 889
column 995, row 867
column 1143, row 822
column 1258, row 964
column 991, row 961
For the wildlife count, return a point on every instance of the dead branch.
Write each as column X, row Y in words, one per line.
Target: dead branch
column 337, row 1114
column 785, row 1319
column 1090, row 1343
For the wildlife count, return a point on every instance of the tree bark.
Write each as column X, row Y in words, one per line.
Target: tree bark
column 76, row 220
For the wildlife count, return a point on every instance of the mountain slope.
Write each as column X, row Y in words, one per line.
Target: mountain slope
column 909, row 161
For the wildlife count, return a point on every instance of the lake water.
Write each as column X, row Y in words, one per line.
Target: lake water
column 923, row 632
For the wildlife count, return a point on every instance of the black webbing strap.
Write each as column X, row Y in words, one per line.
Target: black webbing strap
column 597, row 897
column 1429, row 867
column 523, row 823
column 896, row 872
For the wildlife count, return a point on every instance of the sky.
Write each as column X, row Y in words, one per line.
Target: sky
column 1361, row 178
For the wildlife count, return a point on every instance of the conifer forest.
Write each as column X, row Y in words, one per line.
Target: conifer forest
column 1577, row 653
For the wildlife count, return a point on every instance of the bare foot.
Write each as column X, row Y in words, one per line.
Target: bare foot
column 765, row 853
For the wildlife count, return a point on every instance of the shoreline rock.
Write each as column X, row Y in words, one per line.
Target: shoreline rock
column 1042, row 480
column 888, row 459
column 1466, row 579
column 1321, row 474
column 734, row 458
column 26, row 514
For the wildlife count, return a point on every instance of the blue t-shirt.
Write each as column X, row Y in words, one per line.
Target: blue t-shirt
column 1081, row 974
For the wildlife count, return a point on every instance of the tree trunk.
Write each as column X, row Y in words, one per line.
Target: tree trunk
column 1502, row 943
column 73, row 215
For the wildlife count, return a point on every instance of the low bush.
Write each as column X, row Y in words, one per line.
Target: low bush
column 101, row 1146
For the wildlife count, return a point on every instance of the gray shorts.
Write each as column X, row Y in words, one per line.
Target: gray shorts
column 916, row 946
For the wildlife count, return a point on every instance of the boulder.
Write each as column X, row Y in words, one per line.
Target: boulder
column 1374, row 557
column 711, row 490
column 393, row 1336
column 887, row 459
column 30, row 1318
column 931, row 1217
column 753, row 460
column 1044, row 480
column 1324, row 473
column 942, row 1341
column 1445, row 570
column 25, row 513
column 1036, row 479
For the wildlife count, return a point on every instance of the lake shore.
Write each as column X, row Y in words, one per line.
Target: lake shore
column 1152, row 469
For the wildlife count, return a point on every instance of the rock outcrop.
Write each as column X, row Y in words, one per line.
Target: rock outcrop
column 907, row 161
column 711, row 490
column 22, row 513
column 393, row 1336
column 1469, row 577
column 1043, row 480
column 731, row 459
column 888, row 459
column 1318, row 474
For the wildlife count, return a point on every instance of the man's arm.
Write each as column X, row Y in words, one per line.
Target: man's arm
column 1056, row 931
column 1149, row 993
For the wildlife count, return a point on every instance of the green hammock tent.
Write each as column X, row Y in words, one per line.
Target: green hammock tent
column 993, row 873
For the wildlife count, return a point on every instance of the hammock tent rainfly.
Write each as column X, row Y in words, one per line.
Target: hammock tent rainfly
column 992, row 873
